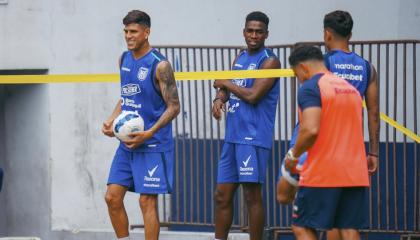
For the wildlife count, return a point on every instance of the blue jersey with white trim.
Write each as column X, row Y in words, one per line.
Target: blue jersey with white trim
column 350, row 66
column 246, row 123
column 139, row 93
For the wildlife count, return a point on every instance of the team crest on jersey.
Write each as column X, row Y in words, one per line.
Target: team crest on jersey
column 142, row 74
column 252, row 66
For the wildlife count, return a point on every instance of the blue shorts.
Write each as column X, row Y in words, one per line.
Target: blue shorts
column 292, row 178
column 143, row 172
column 326, row 208
column 242, row 163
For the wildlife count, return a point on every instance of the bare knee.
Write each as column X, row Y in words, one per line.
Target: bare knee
column 221, row 198
column 285, row 192
column 148, row 202
column 252, row 194
column 284, row 198
column 114, row 201
column 304, row 233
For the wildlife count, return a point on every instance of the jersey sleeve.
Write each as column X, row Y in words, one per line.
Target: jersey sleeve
column 309, row 94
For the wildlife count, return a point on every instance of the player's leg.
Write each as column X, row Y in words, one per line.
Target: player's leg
column 288, row 182
column 333, row 234
column 352, row 212
column 314, row 208
column 227, row 183
column 114, row 199
column 253, row 197
column 349, row 234
column 223, row 198
column 119, row 181
column 149, row 209
column 153, row 175
column 285, row 191
column 252, row 162
column 304, row 233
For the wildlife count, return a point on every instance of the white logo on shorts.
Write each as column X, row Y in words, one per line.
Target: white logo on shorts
column 247, row 161
column 151, row 172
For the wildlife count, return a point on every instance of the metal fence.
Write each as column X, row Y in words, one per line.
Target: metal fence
column 394, row 194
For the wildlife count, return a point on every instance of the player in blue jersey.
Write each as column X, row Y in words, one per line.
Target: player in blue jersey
column 357, row 71
column 144, row 164
column 249, row 131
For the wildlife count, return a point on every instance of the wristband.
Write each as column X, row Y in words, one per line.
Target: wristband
column 290, row 155
column 373, row 155
column 214, row 100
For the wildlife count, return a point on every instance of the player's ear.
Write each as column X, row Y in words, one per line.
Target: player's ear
column 147, row 32
column 327, row 35
column 349, row 36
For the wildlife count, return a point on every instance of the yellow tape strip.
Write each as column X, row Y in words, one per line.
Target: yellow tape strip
column 400, row 127
column 397, row 126
column 180, row 76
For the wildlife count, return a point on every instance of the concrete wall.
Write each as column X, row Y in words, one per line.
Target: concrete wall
column 55, row 157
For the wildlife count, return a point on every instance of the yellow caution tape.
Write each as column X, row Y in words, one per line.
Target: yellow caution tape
column 400, row 127
column 397, row 126
column 180, row 76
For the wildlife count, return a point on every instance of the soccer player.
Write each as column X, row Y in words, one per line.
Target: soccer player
column 360, row 73
column 334, row 178
column 249, row 129
column 143, row 164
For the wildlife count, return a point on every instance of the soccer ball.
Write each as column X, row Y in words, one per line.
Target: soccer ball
column 126, row 123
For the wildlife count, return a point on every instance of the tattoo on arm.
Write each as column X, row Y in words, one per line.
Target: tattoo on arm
column 168, row 89
column 167, row 84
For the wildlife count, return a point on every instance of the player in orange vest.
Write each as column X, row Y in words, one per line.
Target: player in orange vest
column 334, row 179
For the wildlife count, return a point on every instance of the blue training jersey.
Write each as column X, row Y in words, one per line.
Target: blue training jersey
column 350, row 66
column 140, row 94
column 252, row 124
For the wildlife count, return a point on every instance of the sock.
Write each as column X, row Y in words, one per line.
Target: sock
column 124, row 238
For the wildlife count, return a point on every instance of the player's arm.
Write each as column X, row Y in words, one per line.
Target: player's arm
column 308, row 130
column 107, row 125
column 372, row 104
column 260, row 87
column 166, row 81
column 309, row 99
column 222, row 96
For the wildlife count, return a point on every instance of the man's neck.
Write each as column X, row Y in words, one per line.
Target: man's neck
column 340, row 45
column 143, row 50
column 317, row 70
column 254, row 51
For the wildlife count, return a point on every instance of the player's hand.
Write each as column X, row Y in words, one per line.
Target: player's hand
column 107, row 129
column 138, row 138
column 219, row 84
column 290, row 162
column 218, row 107
column 372, row 164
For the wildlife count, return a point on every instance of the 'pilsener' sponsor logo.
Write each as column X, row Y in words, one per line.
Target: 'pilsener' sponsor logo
column 130, row 89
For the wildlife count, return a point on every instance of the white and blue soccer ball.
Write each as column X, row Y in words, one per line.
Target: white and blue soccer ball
column 127, row 122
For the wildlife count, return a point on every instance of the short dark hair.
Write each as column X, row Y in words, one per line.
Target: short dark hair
column 340, row 22
column 257, row 16
column 137, row 16
column 304, row 52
